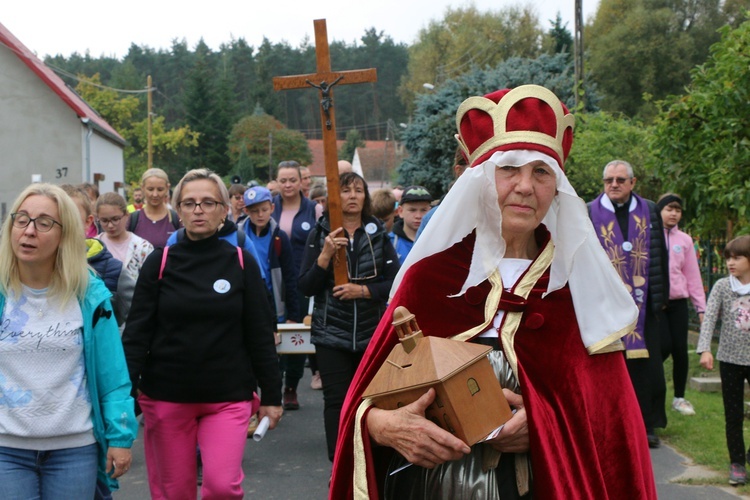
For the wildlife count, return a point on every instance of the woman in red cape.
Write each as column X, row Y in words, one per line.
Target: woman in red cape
column 509, row 260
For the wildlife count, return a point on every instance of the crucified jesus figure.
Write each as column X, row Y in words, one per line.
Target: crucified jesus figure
column 326, row 100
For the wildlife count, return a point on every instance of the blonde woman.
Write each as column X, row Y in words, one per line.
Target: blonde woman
column 196, row 365
column 53, row 307
column 130, row 249
column 155, row 222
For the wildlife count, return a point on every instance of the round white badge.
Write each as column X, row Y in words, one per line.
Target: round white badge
column 305, row 226
column 677, row 249
column 627, row 246
column 371, row 228
column 221, row 286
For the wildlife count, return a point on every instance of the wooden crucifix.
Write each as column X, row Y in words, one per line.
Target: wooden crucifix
column 324, row 80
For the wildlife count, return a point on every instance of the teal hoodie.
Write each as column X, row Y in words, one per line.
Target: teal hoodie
column 107, row 375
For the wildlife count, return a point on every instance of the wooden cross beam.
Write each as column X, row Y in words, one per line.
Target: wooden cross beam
column 324, row 80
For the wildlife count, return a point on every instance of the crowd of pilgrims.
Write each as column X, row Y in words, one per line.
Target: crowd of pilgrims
column 152, row 338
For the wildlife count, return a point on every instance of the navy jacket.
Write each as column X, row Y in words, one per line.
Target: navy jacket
column 304, row 222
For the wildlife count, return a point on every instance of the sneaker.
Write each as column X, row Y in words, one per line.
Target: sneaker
column 316, row 383
column 290, row 399
column 683, row 406
column 254, row 422
column 737, row 474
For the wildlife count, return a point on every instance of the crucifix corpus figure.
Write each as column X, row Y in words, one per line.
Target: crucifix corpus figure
column 320, row 81
column 326, row 101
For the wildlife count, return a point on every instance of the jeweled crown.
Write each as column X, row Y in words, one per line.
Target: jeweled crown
column 526, row 117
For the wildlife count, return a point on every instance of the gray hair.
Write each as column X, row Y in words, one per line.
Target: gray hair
column 613, row 163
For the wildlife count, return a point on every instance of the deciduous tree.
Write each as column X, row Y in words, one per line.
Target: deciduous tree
column 430, row 136
column 701, row 140
column 266, row 142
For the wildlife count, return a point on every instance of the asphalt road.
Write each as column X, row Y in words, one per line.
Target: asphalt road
column 290, row 462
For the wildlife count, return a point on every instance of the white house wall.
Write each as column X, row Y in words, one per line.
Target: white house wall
column 40, row 135
column 106, row 158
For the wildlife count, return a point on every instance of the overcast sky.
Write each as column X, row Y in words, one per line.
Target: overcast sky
column 50, row 27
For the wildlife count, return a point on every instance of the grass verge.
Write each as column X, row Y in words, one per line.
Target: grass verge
column 701, row 436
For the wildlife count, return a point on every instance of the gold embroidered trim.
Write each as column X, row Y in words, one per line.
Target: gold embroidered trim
column 611, row 342
column 499, row 114
column 615, row 346
column 490, row 308
column 637, row 354
column 513, row 319
column 360, row 461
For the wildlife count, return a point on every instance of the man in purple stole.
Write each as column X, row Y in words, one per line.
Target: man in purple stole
column 630, row 230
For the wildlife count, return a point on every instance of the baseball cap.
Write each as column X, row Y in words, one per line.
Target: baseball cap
column 256, row 194
column 415, row 193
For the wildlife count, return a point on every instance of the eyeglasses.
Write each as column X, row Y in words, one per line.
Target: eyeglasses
column 111, row 220
column 238, row 197
column 206, row 206
column 354, row 279
column 43, row 224
column 619, row 180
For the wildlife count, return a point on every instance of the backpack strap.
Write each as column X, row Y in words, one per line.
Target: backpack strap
column 181, row 234
column 174, row 218
column 163, row 262
column 277, row 245
column 133, row 220
column 242, row 258
column 241, row 237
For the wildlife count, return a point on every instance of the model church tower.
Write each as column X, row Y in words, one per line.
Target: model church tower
column 469, row 401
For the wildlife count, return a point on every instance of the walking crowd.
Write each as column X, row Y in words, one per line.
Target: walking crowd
column 167, row 310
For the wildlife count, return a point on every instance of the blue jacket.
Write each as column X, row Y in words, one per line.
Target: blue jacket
column 107, row 375
column 284, row 273
column 400, row 241
column 304, row 221
column 228, row 232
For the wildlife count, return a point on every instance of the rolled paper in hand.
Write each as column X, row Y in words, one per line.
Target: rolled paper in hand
column 261, row 430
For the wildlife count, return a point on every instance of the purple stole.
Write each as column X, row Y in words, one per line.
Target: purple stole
column 630, row 257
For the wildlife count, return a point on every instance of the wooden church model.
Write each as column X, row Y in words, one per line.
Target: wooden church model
column 469, row 401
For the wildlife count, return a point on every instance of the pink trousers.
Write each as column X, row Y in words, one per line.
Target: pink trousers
column 171, row 433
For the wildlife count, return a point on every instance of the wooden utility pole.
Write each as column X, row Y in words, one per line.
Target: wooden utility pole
column 324, row 80
column 150, row 149
column 578, row 56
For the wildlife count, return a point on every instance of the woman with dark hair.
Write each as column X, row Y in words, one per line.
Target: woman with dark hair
column 345, row 316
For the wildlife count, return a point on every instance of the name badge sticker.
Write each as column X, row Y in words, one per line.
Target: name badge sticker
column 221, row 286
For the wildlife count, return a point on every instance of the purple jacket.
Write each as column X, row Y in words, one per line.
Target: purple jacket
column 684, row 275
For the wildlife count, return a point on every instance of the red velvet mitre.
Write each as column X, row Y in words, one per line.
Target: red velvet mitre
column 526, row 117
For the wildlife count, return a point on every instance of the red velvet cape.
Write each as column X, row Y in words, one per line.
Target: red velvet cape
column 586, row 432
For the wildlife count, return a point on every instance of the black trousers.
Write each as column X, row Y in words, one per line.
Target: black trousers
column 337, row 370
column 674, row 335
column 733, row 379
column 647, row 375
